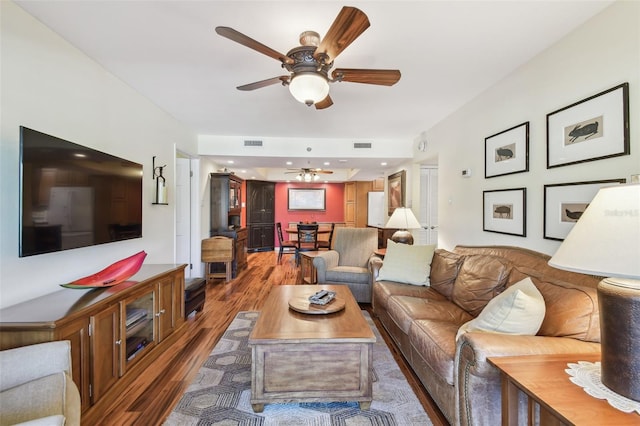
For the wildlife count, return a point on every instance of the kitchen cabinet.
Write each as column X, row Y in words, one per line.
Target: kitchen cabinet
column 355, row 203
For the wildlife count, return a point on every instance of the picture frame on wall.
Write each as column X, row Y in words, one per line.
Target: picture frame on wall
column 396, row 184
column 507, row 152
column 592, row 129
column 564, row 203
column 505, row 211
column 306, row 199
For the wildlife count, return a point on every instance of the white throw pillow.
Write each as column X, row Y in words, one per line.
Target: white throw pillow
column 406, row 263
column 519, row 309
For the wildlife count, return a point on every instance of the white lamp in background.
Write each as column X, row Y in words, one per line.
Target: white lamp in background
column 606, row 242
column 309, row 87
column 403, row 219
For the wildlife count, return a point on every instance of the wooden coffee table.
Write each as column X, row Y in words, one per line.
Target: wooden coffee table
column 300, row 357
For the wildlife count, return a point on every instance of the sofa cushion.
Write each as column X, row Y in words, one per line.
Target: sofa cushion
column 405, row 309
column 436, row 342
column 348, row 274
column 480, row 279
column 409, row 264
column 444, row 270
column 572, row 311
column 382, row 290
column 35, row 399
column 517, row 310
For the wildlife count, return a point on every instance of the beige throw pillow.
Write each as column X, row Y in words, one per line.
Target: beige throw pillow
column 519, row 309
column 406, row 263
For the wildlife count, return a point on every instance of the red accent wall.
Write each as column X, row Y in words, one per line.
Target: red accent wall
column 335, row 204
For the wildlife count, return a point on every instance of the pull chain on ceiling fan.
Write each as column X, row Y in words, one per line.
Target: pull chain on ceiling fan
column 309, row 65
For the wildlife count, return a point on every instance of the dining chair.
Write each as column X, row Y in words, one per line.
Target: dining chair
column 307, row 239
column 284, row 244
column 326, row 245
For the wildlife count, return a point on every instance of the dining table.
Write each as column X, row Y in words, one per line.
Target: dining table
column 321, row 230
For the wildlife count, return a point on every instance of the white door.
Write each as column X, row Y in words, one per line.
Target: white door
column 428, row 205
column 183, row 214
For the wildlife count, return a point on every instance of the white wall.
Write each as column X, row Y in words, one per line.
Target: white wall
column 50, row 86
column 599, row 55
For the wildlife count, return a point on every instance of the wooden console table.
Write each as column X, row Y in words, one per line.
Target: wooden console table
column 542, row 378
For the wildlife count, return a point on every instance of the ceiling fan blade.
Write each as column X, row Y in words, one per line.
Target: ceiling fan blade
column 324, row 172
column 325, row 103
column 381, row 77
column 348, row 25
column 264, row 83
column 244, row 40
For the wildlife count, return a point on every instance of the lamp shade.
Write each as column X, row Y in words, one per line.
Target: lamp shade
column 606, row 239
column 403, row 218
column 309, row 87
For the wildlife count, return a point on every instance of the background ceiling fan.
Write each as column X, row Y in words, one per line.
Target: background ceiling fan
column 308, row 175
column 310, row 63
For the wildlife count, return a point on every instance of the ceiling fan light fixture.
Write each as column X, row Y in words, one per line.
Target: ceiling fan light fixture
column 309, row 87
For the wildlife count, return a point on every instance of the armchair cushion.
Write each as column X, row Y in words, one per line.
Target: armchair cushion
column 38, row 398
column 35, row 382
column 348, row 274
column 409, row 264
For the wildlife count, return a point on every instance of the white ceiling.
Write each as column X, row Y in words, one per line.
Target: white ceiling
column 448, row 53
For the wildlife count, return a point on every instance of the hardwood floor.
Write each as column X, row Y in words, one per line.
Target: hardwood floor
column 152, row 396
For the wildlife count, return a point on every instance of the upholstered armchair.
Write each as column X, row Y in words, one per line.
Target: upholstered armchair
column 348, row 262
column 36, row 386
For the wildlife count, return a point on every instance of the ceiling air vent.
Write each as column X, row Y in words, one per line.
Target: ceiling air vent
column 253, row 143
column 365, row 145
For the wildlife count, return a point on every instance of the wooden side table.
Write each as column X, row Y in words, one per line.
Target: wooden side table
column 309, row 273
column 543, row 379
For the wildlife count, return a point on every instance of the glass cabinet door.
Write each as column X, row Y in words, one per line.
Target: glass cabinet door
column 138, row 325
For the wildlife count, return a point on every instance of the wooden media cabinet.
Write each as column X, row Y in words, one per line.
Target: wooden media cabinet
column 115, row 332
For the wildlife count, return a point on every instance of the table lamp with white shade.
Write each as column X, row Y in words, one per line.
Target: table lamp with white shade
column 402, row 219
column 606, row 242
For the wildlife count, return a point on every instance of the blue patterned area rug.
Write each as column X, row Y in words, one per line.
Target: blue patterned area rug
column 220, row 394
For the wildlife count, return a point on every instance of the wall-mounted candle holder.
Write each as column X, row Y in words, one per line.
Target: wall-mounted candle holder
column 161, row 184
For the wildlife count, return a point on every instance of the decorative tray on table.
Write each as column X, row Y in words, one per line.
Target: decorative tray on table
column 321, row 302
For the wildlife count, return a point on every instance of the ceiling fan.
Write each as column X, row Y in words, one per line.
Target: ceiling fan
column 309, row 65
column 308, row 175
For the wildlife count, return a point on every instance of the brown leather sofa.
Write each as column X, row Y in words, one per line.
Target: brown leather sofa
column 423, row 322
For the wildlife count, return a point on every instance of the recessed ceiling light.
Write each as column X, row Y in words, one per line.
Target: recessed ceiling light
column 243, row 171
column 229, row 161
column 289, row 163
column 342, row 161
column 384, row 163
column 326, row 163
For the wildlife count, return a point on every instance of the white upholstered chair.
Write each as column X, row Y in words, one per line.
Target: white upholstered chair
column 36, row 386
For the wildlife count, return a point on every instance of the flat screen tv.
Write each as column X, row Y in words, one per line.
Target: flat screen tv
column 73, row 196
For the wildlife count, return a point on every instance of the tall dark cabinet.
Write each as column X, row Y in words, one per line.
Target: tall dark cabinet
column 261, row 204
column 226, row 208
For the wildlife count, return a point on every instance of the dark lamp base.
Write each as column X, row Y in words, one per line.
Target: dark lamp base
column 619, row 303
column 402, row 237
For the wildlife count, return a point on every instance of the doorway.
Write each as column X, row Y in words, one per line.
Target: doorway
column 428, row 206
column 187, row 215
